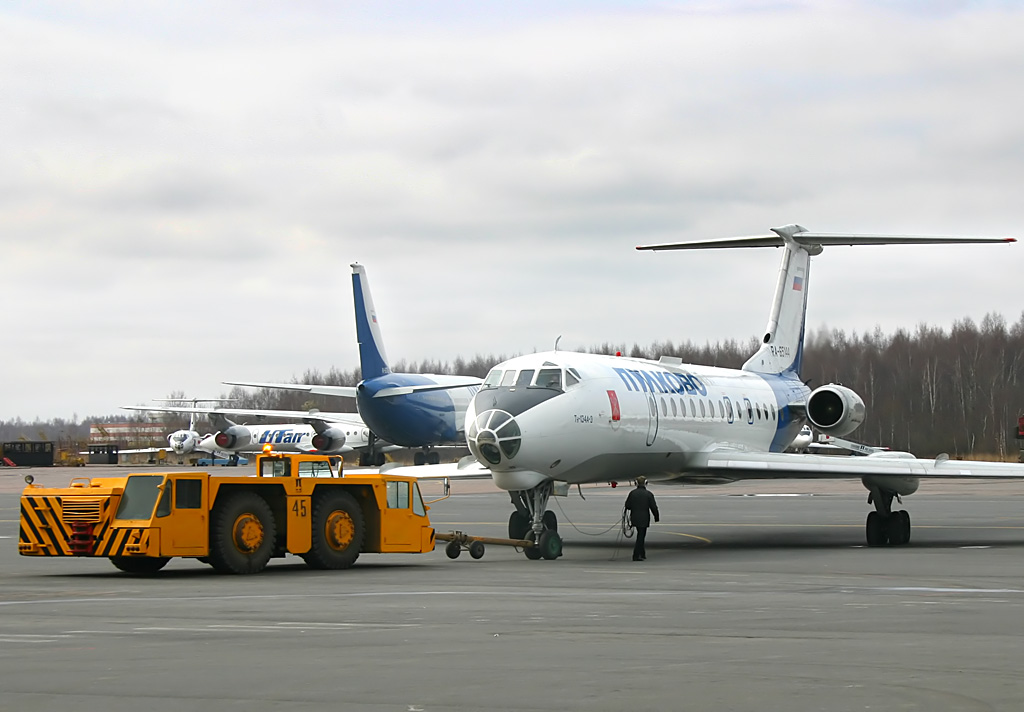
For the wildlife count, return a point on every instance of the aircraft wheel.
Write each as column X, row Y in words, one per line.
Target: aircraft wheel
column 518, row 525
column 550, row 521
column 338, row 532
column 532, row 553
column 141, row 566
column 476, row 549
column 452, row 550
column 378, row 459
column 550, row 544
column 418, row 458
column 898, row 528
column 242, row 534
column 433, row 458
column 876, row 530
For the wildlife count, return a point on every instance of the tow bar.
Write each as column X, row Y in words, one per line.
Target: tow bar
column 459, row 541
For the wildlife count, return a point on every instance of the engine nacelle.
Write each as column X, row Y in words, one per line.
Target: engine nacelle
column 330, row 440
column 835, row 410
column 233, row 438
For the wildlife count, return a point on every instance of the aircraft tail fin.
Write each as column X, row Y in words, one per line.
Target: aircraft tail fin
column 373, row 362
column 782, row 345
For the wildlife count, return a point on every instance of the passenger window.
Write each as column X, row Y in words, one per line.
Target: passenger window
column 493, row 378
column 674, row 411
column 773, row 412
column 525, row 376
column 664, row 407
column 728, row 409
column 702, row 413
column 398, row 495
column 550, row 378
column 189, row 494
column 510, row 376
column 693, row 410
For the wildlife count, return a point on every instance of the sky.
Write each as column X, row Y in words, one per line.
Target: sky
column 183, row 186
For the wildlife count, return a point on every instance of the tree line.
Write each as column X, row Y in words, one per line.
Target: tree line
column 928, row 390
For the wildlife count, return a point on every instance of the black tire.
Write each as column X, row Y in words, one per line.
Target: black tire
column 550, row 545
column 139, row 565
column 476, row 549
column 877, row 532
column 418, row 458
column 550, row 521
column 518, row 525
column 453, row 550
column 242, row 533
column 433, row 458
column 338, row 531
column 898, row 528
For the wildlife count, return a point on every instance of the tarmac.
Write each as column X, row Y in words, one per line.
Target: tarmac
column 760, row 597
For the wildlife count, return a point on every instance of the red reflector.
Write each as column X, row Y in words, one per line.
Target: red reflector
column 613, row 398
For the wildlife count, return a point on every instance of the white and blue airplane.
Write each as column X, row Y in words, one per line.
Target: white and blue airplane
column 326, row 433
column 413, row 410
column 545, row 420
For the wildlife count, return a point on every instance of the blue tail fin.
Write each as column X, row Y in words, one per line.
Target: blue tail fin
column 372, row 360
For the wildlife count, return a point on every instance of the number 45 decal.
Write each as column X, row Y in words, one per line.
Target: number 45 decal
column 299, row 508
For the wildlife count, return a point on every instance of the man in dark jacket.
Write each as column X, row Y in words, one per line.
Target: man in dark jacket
column 641, row 505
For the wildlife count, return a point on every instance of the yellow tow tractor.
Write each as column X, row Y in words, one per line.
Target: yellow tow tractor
column 297, row 504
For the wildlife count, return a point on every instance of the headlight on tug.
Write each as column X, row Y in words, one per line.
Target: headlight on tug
column 492, row 435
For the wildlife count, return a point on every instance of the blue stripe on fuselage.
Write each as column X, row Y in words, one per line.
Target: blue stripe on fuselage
column 787, row 389
column 411, row 420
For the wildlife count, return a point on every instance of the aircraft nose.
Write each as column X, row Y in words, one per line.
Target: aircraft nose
column 494, row 437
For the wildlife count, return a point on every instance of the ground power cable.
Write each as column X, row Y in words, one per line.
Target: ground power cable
column 624, row 525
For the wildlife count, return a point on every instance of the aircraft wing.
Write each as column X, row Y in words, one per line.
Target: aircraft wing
column 343, row 391
column 351, row 419
column 465, row 469
column 734, row 465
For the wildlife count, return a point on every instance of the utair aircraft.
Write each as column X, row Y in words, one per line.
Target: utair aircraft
column 326, row 433
column 561, row 417
column 414, row 410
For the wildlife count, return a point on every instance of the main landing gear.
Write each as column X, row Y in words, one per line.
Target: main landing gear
column 534, row 522
column 426, row 457
column 885, row 526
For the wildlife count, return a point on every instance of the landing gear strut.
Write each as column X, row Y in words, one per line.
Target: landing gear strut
column 534, row 522
column 884, row 526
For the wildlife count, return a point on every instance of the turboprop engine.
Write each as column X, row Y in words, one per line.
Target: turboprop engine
column 329, row 440
column 835, row 410
column 233, row 437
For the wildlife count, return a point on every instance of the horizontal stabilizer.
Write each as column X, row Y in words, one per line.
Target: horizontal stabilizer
column 807, row 238
column 406, row 390
column 342, row 391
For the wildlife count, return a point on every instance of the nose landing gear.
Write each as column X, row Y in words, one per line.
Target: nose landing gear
column 534, row 522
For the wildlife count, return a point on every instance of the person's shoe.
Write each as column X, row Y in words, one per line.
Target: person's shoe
column 637, row 558
column 643, row 558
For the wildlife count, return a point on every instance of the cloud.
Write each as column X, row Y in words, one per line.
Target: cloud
column 183, row 187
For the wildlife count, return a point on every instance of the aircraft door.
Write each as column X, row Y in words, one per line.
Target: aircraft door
column 652, row 422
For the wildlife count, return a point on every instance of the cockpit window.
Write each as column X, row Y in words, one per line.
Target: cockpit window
column 510, row 376
column 570, row 379
column 550, row 378
column 525, row 376
column 492, row 378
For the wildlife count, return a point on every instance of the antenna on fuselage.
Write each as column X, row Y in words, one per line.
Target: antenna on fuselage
column 557, row 339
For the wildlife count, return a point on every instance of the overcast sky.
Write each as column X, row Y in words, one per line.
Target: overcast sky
column 184, row 185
